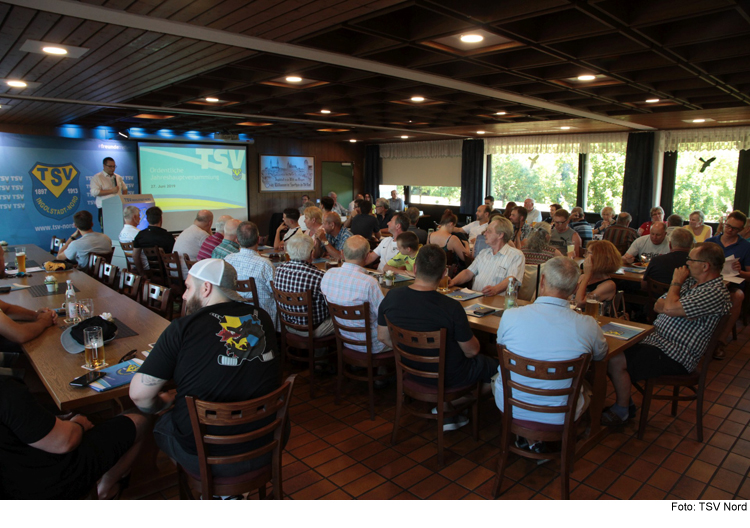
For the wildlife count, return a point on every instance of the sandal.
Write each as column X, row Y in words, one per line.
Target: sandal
column 611, row 419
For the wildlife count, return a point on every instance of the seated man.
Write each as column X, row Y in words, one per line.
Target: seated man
column 395, row 203
column 84, row 241
column 353, row 203
column 581, row 226
column 413, row 214
column 287, row 228
column 229, row 245
column 464, row 365
column 620, row 234
column 350, row 285
column 19, row 324
column 332, row 237
column 299, row 275
column 564, row 238
column 214, row 240
column 249, row 264
column 688, row 314
column 383, row 213
column 192, row 238
column 495, row 264
column 477, row 227
column 521, row 230
column 661, row 268
column 534, row 215
column 388, row 247
column 131, row 217
column 573, row 334
column 337, row 207
column 673, row 222
column 153, row 236
column 48, row 457
column 202, row 355
column 653, row 244
column 363, row 223
column 403, row 261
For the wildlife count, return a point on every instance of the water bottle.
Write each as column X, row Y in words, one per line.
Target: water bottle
column 71, row 305
column 511, row 293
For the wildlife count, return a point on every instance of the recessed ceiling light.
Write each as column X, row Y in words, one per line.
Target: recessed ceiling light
column 54, row 50
column 500, row 113
column 699, row 120
column 212, row 100
column 293, row 79
column 654, row 100
column 587, row 77
column 565, row 128
column 472, row 38
column 352, row 141
column 404, row 137
column 480, row 132
column 324, row 111
column 16, row 84
column 417, row 99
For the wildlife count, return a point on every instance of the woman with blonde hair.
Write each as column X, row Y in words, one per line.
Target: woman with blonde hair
column 537, row 249
column 700, row 230
column 602, row 259
column 607, row 215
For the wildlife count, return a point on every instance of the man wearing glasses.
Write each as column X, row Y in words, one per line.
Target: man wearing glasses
column 739, row 248
column 106, row 183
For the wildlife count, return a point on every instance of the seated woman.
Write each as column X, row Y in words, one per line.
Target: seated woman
column 657, row 215
column 445, row 238
column 607, row 220
column 509, row 209
column 602, row 259
column 700, row 230
column 537, row 249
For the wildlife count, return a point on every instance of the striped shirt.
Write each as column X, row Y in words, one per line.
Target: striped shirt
column 490, row 269
column 227, row 247
column 338, row 240
column 249, row 264
column 350, row 285
column 298, row 276
column 209, row 245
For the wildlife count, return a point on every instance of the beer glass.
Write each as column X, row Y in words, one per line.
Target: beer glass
column 443, row 284
column 93, row 342
column 593, row 306
column 21, row 259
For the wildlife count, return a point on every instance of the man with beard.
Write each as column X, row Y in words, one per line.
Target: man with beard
column 223, row 350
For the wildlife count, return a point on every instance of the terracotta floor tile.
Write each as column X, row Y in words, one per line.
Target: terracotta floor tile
column 294, row 469
column 395, row 468
column 727, row 480
column 712, row 493
column 314, row 491
column 641, row 470
column 634, row 447
column 736, row 463
column 677, row 462
column 335, row 465
column 722, row 440
column 732, row 428
column 340, row 436
column 701, row 471
column 664, row 479
column 624, row 487
column 300, row 440
column 451, row 492
column 321, row 457
column 458, row 469
column 740, row 417
column 353, row 443
column 364, row 484
column 584, row 492
column 619, row 462
column 599, row 454
column 539, row 478
column 689, row 447
column 744, row 491
column 687, row 487
column 649, row 493
column 387, row 490
column 338, row 494
column 429, row 486
column 366, row 451
column 712, row 455
column 742, row 447
column 405, row 495
column 411, row 477
column 426, row 451
column 475, row 478
column 381, row 458
column 350, row 474
column 301, row 481
column 668, row 440
column 517, row 492
column 582, row 468
column 601, row 479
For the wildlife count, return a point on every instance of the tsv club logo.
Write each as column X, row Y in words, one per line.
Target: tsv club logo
column 55, row 189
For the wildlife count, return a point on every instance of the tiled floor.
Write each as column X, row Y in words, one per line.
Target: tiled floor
column 337, row 452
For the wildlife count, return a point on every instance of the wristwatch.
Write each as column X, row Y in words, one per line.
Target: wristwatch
column 325, row 243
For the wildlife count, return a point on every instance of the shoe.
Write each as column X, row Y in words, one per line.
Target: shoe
column 456, row 423
column 521, row 442
column 720, row 353
column 611, row 419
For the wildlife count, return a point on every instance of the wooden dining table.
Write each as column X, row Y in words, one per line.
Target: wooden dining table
column 56, row 367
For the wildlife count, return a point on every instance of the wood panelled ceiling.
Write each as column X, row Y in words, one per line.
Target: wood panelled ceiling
column 691, row 55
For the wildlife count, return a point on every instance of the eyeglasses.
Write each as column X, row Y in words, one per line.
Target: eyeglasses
column 733, row 228
column 129, row 355
column 561, row 223
column 111, row 166
column 694, row 260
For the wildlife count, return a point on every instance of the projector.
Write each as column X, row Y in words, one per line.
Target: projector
column 226, row 137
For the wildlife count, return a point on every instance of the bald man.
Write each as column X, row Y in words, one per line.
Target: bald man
column 191, row 239
column 214, row 240
column 229, row 245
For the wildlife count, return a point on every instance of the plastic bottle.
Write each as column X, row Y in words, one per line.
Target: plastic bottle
column 71, row 306
column 511, row 294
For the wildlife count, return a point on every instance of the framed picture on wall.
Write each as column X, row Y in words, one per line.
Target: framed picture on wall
column 287, row 173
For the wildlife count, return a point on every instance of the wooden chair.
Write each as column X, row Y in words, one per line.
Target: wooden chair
column 96, row 260
column 189, row 263
column 408, row 384
column 107, row 275
column 248, row 286
column 618, row 306
column 286, row 303
column 530, row 285
column 130, row 285
column 572, row 370
column 155, row 273
column 55, row 244
column 157, row 298
column 205, row 414
column 127, row 249
column 655, row 290
column 694, row 382
column 350, row 322
column 173, row 274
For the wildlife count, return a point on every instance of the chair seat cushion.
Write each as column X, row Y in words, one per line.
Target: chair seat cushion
column 361, row 357
column 412, row 384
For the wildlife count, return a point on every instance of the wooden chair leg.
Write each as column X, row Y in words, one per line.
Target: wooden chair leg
column 371, row 390
column 566, row 466
column 399, row 406
column 502, row 461
column 675, row 395
column 645, row 406
column 699, row 413
column 339, row 377
column 440, row 422
column 311, row 366
column 475, row 419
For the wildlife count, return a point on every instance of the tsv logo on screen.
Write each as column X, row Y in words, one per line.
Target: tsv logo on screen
column 55, row 189
column 230, row 161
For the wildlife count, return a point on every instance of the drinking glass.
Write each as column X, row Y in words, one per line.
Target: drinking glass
column 593, row 306
column 93, row 342
column 443, row 284
column 21, row 259
column 85, row 308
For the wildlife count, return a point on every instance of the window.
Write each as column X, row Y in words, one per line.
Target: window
column 710, row 191
column 605, row 183
column 547, row 178
column 435, row 195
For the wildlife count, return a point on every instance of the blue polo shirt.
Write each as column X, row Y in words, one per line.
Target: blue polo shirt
column 740, row 250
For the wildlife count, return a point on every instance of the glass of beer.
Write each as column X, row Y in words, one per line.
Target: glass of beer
column 21, row 259
column 93, row 342
column 593, row 306
column 443, row 284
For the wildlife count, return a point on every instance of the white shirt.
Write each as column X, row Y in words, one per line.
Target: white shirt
column 489, row 269
column 643, row 244
column 475, row 229
column 128, row 233
column 386, row 250
column 533, row 216
column 190, row 242
column 102, row 181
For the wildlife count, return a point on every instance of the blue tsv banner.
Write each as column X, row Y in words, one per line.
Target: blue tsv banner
column 44, row 181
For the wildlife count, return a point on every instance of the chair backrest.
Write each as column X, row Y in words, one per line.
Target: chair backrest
column 173, row 271
column 248, row 286
column 130, row 285
column 713, row 343
column 107, row 275
column 127, row 249
column 294, row 304
column 618, row 306
column 157, row 298
column 155, row 265
column 189, row 263
column 655, row 290
column 433, row 341
column 573, row 370
column 530, row 284
column 346, row 334
column 55, row 244
column 205, row 414
column 96, row 260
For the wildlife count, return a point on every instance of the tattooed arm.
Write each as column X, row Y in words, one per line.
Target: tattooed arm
column 145, row 393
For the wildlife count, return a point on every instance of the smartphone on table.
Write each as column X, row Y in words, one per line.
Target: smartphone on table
column 87, row 379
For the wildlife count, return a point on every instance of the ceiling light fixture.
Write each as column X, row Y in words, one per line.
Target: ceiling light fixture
column 500, row 113
column 587, row 77
column 404, row 137
column 565, row 128
column 16, row 84
column 54, row 50
column 654, row 100
column 123, row 134
column 699, row 120
column 212, row 100
column 471, row 38
column 352, row 141
column 417, row 99
column 480, row 131
column 324, row 111
column 293, row 79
